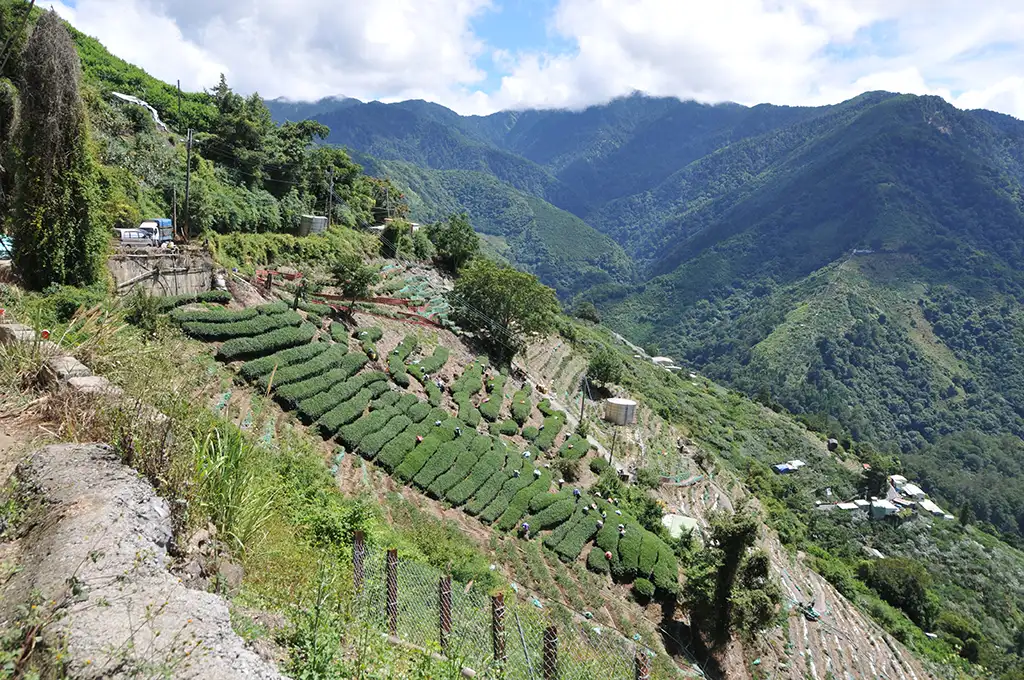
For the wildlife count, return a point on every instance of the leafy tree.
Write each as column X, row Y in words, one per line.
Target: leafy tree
column 353, row 278
column 388, row 200
column 455, row 241
column 875, row 478
column 605, row 366
column 397, row 239
column 904, row 584
column 57, row 236
column 503, row 305
column 585, row 309
column 422, row 248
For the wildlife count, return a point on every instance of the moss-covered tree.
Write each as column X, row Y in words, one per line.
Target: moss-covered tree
column 56, row 236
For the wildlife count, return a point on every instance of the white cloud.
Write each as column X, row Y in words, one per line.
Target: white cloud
column 749, row 51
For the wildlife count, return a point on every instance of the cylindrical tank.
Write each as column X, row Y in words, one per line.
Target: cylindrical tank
column 620, row 411
column 312, row 224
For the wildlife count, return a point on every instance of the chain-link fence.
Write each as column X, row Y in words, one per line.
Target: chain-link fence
column 495, row 636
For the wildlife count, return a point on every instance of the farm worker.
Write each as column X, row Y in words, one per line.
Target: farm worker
column 458, row 432
column 600, row 524
column 536, row 472
column 604, row 514
column 598, row 494
column 576, row 493
column 526, row 529
column 561, row 481
column 437, row 423
column 526, row 454
column 515, row 473
column 618, row 512
column 622, row 531
column 607, row 554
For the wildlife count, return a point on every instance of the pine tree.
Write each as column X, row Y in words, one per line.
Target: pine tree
column 56, row 239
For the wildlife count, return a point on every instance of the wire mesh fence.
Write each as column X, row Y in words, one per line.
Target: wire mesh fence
column 494, row 635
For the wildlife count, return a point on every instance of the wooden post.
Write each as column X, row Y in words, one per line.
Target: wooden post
column 391, row 575
column 550, row 662
column 642, row 665
column 358, row 558
column 498, row 628
column 445, row 605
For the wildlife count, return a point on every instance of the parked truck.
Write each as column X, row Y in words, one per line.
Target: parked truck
column 152, row 232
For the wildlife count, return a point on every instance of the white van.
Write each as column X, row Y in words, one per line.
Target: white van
column 133, row 237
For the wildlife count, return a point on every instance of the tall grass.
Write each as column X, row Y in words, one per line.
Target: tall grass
column 230, row 488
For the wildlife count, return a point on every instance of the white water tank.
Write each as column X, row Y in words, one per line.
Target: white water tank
column 620, row 411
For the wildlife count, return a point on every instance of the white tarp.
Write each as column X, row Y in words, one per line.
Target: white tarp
column 136, row 100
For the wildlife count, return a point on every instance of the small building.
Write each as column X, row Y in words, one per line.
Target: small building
column 663, row 361
column 903, row 502
column 882, row 508
column 788, row 466
column 847, row 506
column 678, row 525
column 898, row 481
column 930, row 507
column 862, row 504
column 796, row 464
column 913, row 491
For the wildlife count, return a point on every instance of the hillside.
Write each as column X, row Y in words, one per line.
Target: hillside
column 741, row 223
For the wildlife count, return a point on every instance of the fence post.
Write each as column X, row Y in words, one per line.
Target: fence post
column 391, row 576
column 550, row 663
column 444, row 598
column 358, row 557
column 498, row 628
column 642, row 665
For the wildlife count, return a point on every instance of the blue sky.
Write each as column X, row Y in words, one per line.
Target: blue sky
column 478, row 56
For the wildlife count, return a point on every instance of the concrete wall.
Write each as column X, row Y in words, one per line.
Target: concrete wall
column 161, row 272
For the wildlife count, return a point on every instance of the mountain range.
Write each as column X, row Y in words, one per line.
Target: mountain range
column 856, row 264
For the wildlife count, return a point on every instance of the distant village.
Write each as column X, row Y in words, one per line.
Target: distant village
column 902, row 496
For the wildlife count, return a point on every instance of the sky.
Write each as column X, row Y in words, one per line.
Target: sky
column 481, row 56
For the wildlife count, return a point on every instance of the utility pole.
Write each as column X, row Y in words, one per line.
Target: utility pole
column 179, row 105
column 174, row 210
column 330, row 197
column 583, row 396
column 188, row 184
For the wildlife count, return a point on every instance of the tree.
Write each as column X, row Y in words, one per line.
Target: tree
column 57, row 236
column 875, row 478
column 585, row 309
column 397, row 239
column 353, row 278
column 503, row 305
column 904, row 584
column 605, row 366
column 455, row 241
column 422, row 248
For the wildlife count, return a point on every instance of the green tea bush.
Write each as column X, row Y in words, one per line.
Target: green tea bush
column 375, row 441
column 597, row 562
column 570, row 547
column 371, row 333
column 240, row 329
column 509, row 428
column 418, row 458
column 317, row 366
column 458, row 471
column 264, row 366
column 181, row 316
column 248, row 348
column 316, row 405
column 553, row 515
column 467, row 412
column 490, row 407
column 549, row 431
column 530, row 433
column 471, row 380
column 326, row 391
column 316, row 308
column 274, row 308
column 396, row 360
column 521, row 405
column 450, row 429
column 559, row 534
column 439, row 463
column 574, row 447
column 629, row 548
column 406, row 401
column 353, row 434
column 643, row 590
column 482, row 470
column 508, row 491
column 487, row 491
column 166, row 303
column 497, row 383
column 418, row 411
column 433, row 393
column 520, row 502
column 395, row 451
column 290, row 395
column 544, row 500
column 648, row 553
column 598, row 465
column 435, row 361
column 347, row 411
column 666, row 570
column 339, row 334
column 386, row 400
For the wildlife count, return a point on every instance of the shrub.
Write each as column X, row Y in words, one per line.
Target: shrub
column 273, row 308
column 508, row 428
column 508, row 491
column 332, row 387
column 396, row 360
column 666, row 571
column 316, row 308
column 407, row 401
column 520, row 502
column 386, row 400
column 370, row 333
column 497, row 383
column 283, row 338
column 521, row 406
column 339, row 334
column 433, row 393
column 213, row 315
column 570, row 547
column 240, row 329
column 345, row 412
column 490, row 408
column 319, row 365
column 418, row 411
column 629, row 548
column 257, row 368
column 439, row 463
column 549, row 430
column 395, row 451
column 418, row 458
column 168, row 302
column 461, row 468
column 598, row 465
column 375, row 441
column 530, row 433
column 290, row 395
column 597, row 562
column 482, row 471
column 574, row 448
column 471, row 380
column 467, row 412
column 486, row 493
column 643, row 590
column 352, row 435
column 316, row 406
column 544, row 500
column 553, row 515
column 569, row 470
column 431, row 364
column 559, row 534
column 648, row 553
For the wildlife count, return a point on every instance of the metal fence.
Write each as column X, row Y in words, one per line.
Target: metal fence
column 493, row 636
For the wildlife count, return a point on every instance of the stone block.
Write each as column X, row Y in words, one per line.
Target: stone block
column 16, row 332
column 94, row 384
column 60, row 369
